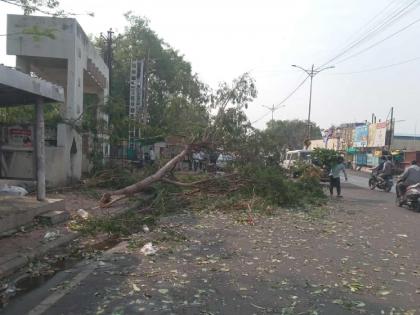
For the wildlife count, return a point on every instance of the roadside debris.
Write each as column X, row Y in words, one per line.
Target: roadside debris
column 148, row 249
column 6, row 190
column 146, row 229
column 83, row 214
column 51, row 235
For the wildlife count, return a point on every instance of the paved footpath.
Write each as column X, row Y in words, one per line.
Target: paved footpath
column 362, row 258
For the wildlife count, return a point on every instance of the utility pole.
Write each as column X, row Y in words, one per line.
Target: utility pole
column 391, row 129
column 272, row 109
column 146, row 88
column 311, row 73
column 107, row 54
column 109, row 57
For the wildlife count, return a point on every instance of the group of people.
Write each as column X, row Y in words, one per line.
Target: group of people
column 410, row 176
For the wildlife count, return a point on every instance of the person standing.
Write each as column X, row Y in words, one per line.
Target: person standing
column 152, row 155
column 335, row 176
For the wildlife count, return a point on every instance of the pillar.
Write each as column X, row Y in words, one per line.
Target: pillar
column 40, row 150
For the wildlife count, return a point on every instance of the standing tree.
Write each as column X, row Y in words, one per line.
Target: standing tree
column 176, row 99
column 282, row 135
column 49, row 7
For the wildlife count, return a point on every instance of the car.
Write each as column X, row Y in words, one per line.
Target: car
column 224, row 160
column 292, row 157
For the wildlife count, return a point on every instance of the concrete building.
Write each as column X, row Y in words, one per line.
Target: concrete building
column 17, row 89
column 60, row 52
column 405, row 142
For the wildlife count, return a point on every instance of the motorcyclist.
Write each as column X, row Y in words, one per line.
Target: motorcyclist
column 380, row 166
column 410, row 177
column 386, row 172
column 378, row 170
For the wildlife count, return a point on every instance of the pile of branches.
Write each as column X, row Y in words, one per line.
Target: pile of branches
column 217, row 184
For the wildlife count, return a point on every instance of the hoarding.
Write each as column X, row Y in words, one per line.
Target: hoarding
column 360, row 136
column 377, row 135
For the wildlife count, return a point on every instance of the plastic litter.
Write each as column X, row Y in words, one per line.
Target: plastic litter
column 52, row 235
column 148, row 249
column 83, row 214
column 6, row 190
column 10, row 289
column 146, row 228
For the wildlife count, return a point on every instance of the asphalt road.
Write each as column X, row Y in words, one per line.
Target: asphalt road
column 361, row 180
column 362, row 257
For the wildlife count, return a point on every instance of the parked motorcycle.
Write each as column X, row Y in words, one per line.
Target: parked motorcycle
column 411, row 198
column 376, row 182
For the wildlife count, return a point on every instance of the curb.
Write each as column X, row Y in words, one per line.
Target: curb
column 20, row 260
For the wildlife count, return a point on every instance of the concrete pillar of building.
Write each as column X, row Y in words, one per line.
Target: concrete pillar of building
column 40, row 150
column 23, row 64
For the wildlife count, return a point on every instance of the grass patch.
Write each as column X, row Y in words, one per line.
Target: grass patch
column 124, row 224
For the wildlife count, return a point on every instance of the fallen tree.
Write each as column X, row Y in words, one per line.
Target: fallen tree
column 226, row 131
column 119, row 194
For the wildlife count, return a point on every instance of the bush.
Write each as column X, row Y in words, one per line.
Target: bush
column 272, row 184
column 325, row 158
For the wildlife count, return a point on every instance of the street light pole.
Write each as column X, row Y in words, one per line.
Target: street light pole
column 273, row 109
column 310, row 103
column 311, row 73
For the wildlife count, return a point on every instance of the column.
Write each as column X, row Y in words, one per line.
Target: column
column 40, row 150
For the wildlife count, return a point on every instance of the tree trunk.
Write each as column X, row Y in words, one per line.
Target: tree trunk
column 106, row 199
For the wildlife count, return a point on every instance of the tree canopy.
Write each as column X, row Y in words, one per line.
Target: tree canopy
column 283, row 135
column 31, row 6
column 176, row 98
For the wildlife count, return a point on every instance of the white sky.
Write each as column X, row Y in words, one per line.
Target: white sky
column 223, row 39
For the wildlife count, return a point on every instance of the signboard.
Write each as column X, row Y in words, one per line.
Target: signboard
column 377, row 135
column 360, row 136
column 20, row 136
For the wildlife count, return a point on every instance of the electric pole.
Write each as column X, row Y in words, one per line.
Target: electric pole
column 272, row 109
column 109, row 57
column 107, row 54
column 311, row 73
column 391, row 129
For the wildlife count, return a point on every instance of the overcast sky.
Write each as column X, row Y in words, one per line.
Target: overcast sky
column 223, row 39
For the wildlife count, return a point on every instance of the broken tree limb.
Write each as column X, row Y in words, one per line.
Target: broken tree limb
column 106, row 199
column 196, row 183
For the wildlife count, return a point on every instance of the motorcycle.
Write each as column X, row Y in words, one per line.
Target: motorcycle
column 377, row 182
column 411, row 198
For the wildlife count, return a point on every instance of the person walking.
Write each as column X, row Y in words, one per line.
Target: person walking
column 335, row 176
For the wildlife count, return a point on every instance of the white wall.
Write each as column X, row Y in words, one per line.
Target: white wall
column 71, row 45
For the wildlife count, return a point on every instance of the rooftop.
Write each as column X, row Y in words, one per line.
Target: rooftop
column 18, row 88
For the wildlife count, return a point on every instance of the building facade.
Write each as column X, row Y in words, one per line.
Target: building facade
column 58, row 50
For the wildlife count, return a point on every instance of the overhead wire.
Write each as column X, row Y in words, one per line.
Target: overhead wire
column 377, row 29
column 379, row 42
column 379, row 68
column 362, row 28
column 283, row 101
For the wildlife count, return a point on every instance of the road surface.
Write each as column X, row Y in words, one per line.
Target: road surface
column 358, row 255
column 361, row 180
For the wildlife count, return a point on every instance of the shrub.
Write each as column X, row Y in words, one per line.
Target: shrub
column 272, row 184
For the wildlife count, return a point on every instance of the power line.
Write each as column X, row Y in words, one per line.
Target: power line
column 283, row 101
column 379, row 68
column 376, row 29
column 379, row 42
column 373, row 19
